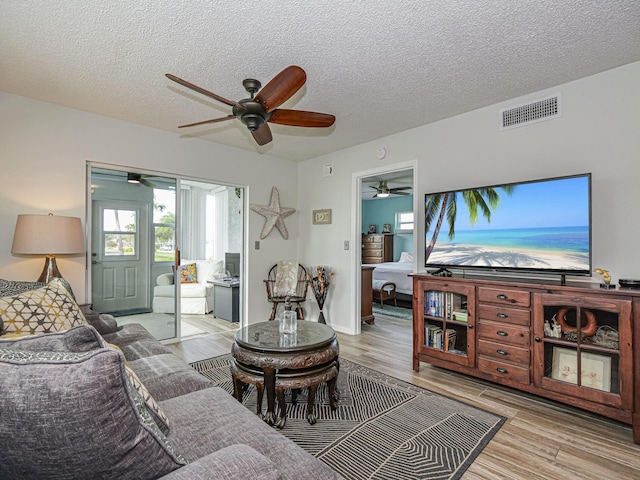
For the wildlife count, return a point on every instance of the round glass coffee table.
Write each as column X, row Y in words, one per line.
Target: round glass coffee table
column 275, row 361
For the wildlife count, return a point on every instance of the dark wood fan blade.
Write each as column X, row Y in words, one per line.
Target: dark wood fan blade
column 203, row 91
column 399, row 193
column 395, row 189
column 300, row 118
column 215, row 120
column 281, row 87
column 262, row 136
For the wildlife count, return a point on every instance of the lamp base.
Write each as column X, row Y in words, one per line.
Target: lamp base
column 50, row 270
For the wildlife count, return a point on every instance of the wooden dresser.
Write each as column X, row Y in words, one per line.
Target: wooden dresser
column 377, row 248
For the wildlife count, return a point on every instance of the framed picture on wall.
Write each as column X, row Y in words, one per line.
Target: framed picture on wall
column 322, row 217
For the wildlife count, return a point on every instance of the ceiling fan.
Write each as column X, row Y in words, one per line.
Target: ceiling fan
column 137, row 178
column 383, row 190
column 256, row 112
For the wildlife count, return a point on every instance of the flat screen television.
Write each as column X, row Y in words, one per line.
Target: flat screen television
column 541, row 226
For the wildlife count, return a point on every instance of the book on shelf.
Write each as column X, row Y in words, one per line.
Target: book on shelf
column 460, row 315
column 449, row 339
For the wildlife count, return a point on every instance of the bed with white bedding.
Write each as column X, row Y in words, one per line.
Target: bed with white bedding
column 396, row 272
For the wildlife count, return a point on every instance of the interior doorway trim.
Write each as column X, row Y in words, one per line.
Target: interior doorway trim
column 356, row 233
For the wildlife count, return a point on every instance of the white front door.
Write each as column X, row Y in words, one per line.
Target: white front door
column 120, row 256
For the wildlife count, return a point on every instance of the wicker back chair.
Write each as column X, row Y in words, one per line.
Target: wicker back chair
column 297, row 297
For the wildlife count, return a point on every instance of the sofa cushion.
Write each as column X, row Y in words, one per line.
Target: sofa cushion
column 44, row 310
column 167, row 376
column 76, row 415
column 209, row 420
column 135, row 341
column 187, row 273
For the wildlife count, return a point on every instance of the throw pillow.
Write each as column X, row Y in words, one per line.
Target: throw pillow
column 45, row 310
column 187, row 273
column 10, row 287
column 156, row 412
column 82, row 338
column 406, row 257
column 286, row 278
column 76, row 415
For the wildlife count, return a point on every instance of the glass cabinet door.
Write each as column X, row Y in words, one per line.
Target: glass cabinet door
column 447, row 321
column 578, row 349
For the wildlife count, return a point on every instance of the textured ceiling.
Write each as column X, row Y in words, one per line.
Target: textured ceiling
column 379, row 66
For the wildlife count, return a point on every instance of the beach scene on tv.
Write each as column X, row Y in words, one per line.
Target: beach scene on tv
column 541, row 225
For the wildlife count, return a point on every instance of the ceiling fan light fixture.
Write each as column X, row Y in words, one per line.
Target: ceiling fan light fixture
column 383, row 194
column 133, row 178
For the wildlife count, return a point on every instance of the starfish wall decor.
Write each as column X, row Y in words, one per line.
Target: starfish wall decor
column 274, row 214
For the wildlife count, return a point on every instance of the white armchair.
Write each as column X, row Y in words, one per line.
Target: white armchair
column 196, row 297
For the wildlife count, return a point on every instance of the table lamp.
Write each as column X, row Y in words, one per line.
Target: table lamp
column 48, row 235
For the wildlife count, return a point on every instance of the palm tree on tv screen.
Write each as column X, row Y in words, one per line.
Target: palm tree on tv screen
column 441, row 205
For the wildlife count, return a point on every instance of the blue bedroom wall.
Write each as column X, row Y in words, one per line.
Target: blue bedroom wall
column 380, row 211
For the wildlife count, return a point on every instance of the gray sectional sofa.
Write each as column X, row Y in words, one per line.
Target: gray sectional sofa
column 71, row 408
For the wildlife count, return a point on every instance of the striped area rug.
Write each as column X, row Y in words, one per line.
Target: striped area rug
column 383, row 429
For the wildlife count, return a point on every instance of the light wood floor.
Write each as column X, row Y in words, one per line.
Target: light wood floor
column 541, row 439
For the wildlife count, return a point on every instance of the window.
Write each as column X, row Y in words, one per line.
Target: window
column 404, row 222
column 164, row 225
column 120, row 230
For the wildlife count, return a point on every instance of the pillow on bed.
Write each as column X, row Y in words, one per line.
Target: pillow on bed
column 406, row 257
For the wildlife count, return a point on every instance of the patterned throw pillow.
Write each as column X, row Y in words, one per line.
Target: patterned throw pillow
column 156, row 412
column 44, row 310
column 188, row 273
column 11, row 287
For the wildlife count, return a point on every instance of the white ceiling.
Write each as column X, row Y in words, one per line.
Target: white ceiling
column 380, row 67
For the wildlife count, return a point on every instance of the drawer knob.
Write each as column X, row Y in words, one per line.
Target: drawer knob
column 502, row 315
column 537, row 339
column 501, row 352
column 501, row 370
column 502, row 333
column 502, row 296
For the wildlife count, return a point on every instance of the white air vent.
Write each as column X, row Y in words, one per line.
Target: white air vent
column 533, row 112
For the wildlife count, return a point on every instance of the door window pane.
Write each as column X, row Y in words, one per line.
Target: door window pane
column 120, row 231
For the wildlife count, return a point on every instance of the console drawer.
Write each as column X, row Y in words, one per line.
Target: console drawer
column 504, row 296
column 502, row 351
column 503, row 333
column 504, row 314
column 503, row 369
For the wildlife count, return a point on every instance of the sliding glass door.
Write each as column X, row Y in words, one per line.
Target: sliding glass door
column 147, row 230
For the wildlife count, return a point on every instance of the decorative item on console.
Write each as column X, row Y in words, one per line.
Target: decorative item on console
column 606, row 278
column 604, row 335
column 320, row 286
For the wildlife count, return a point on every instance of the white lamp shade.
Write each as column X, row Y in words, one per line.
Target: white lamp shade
column 48, row 235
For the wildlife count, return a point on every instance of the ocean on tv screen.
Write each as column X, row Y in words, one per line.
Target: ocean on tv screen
column 557, row 248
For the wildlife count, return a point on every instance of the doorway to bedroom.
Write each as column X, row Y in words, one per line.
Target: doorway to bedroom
column 385, row 220
column 163, row 248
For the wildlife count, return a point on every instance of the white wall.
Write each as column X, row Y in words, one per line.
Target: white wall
column 43, row 153
column 598, row 133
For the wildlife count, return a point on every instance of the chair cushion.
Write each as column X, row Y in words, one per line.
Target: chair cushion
column 44, row 310
column 76, row 415
column 378, row 284
column 286, row 278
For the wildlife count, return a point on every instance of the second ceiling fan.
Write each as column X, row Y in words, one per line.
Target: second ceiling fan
column 256, row 112
column 383, row 190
